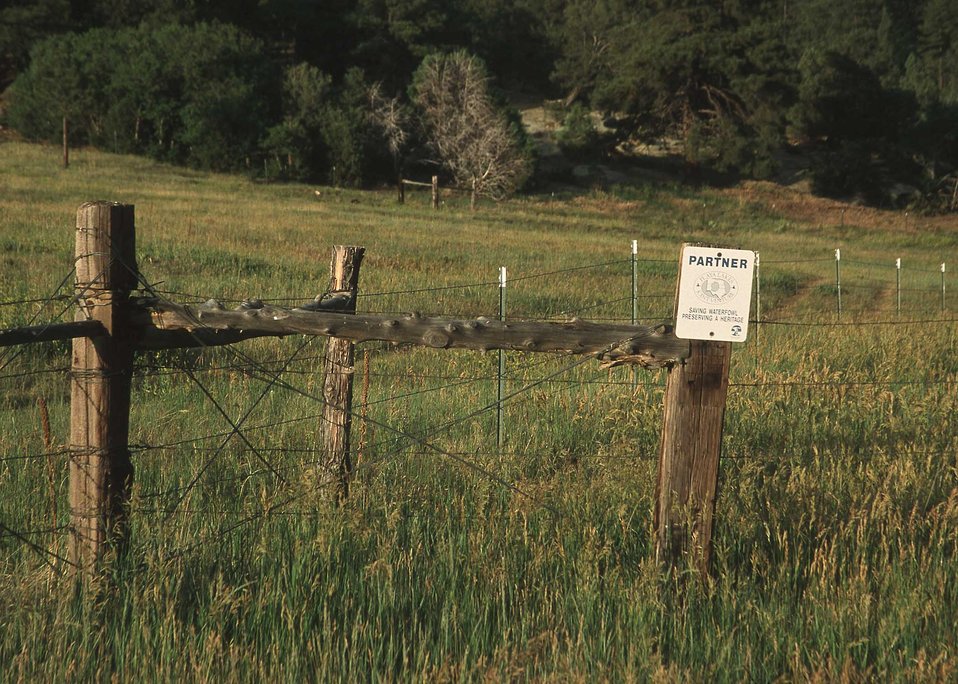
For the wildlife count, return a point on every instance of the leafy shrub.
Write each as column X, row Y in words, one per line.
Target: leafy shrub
column 578, row 138
column 325, row 134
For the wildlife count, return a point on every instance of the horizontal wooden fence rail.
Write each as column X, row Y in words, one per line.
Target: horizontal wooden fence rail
column 433, row 186
column 51, row 332
column 156, row 324
column 651, row 347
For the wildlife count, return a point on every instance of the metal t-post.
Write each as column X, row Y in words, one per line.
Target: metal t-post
column 942, row 286
column 635, row 299
column 501, row 390
column 838, row 277
column 758, row 297
column 898, row 286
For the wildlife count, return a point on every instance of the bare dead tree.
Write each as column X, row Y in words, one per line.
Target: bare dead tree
column 391, row 118
column 469, row 136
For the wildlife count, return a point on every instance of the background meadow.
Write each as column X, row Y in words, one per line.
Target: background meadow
column 837, row 517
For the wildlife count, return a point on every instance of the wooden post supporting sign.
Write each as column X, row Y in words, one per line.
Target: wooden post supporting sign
column 712, row 310
column 694, row 413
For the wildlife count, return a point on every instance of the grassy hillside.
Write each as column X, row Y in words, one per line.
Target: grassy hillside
column 837, row 520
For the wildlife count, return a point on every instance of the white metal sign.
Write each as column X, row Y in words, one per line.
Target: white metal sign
column 715, row 293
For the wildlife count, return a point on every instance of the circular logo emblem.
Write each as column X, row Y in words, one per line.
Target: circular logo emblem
column 715, row 287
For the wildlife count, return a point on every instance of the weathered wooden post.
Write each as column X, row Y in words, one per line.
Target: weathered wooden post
column 712, row 309
column 693, row 416
column 100, row 469
column 435, row 192
column 338, row 379
column 401, row 189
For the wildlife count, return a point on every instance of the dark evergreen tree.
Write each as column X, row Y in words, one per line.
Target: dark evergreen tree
column 196, row 94
column 861, row 129
column 23, row 23
column 932, row 69
column 64, row 80
column 716, row 77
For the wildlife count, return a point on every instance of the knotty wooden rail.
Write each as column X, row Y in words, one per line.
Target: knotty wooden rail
column 651, row 347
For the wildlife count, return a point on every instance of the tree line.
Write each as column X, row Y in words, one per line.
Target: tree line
column 353, row 91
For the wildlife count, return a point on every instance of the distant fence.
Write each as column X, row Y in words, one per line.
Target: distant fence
column 113, row 326
column 434, row 196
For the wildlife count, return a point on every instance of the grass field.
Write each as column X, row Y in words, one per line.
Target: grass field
column 836, row 542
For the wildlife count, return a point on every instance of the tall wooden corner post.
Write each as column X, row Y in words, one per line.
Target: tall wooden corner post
column 711, row 311
column 338, row 374
column 101, row 471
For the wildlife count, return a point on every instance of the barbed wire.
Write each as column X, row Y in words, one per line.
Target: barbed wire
column 42, row 300
column 32, row 457
column 141, row 447
column 444, row 427
column 4, row 361
column 418, row 290
column 39, row 371
column 196, row 297
column 235, row 426
column 426, row 313
column 275, row 380
column 332, row 481
column 421, row 439
column 7, row 531
column 891, row 265
column 792, row 383
column 44, row 553
column 852, row 324
column 561, row 271
column 847, row 383
column 887, row 288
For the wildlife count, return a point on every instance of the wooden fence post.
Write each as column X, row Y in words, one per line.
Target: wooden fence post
column 435, row 192
column 694, row 413
column 338, row 378
column 691, row 444
column 100, row 468
column 401, row 189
